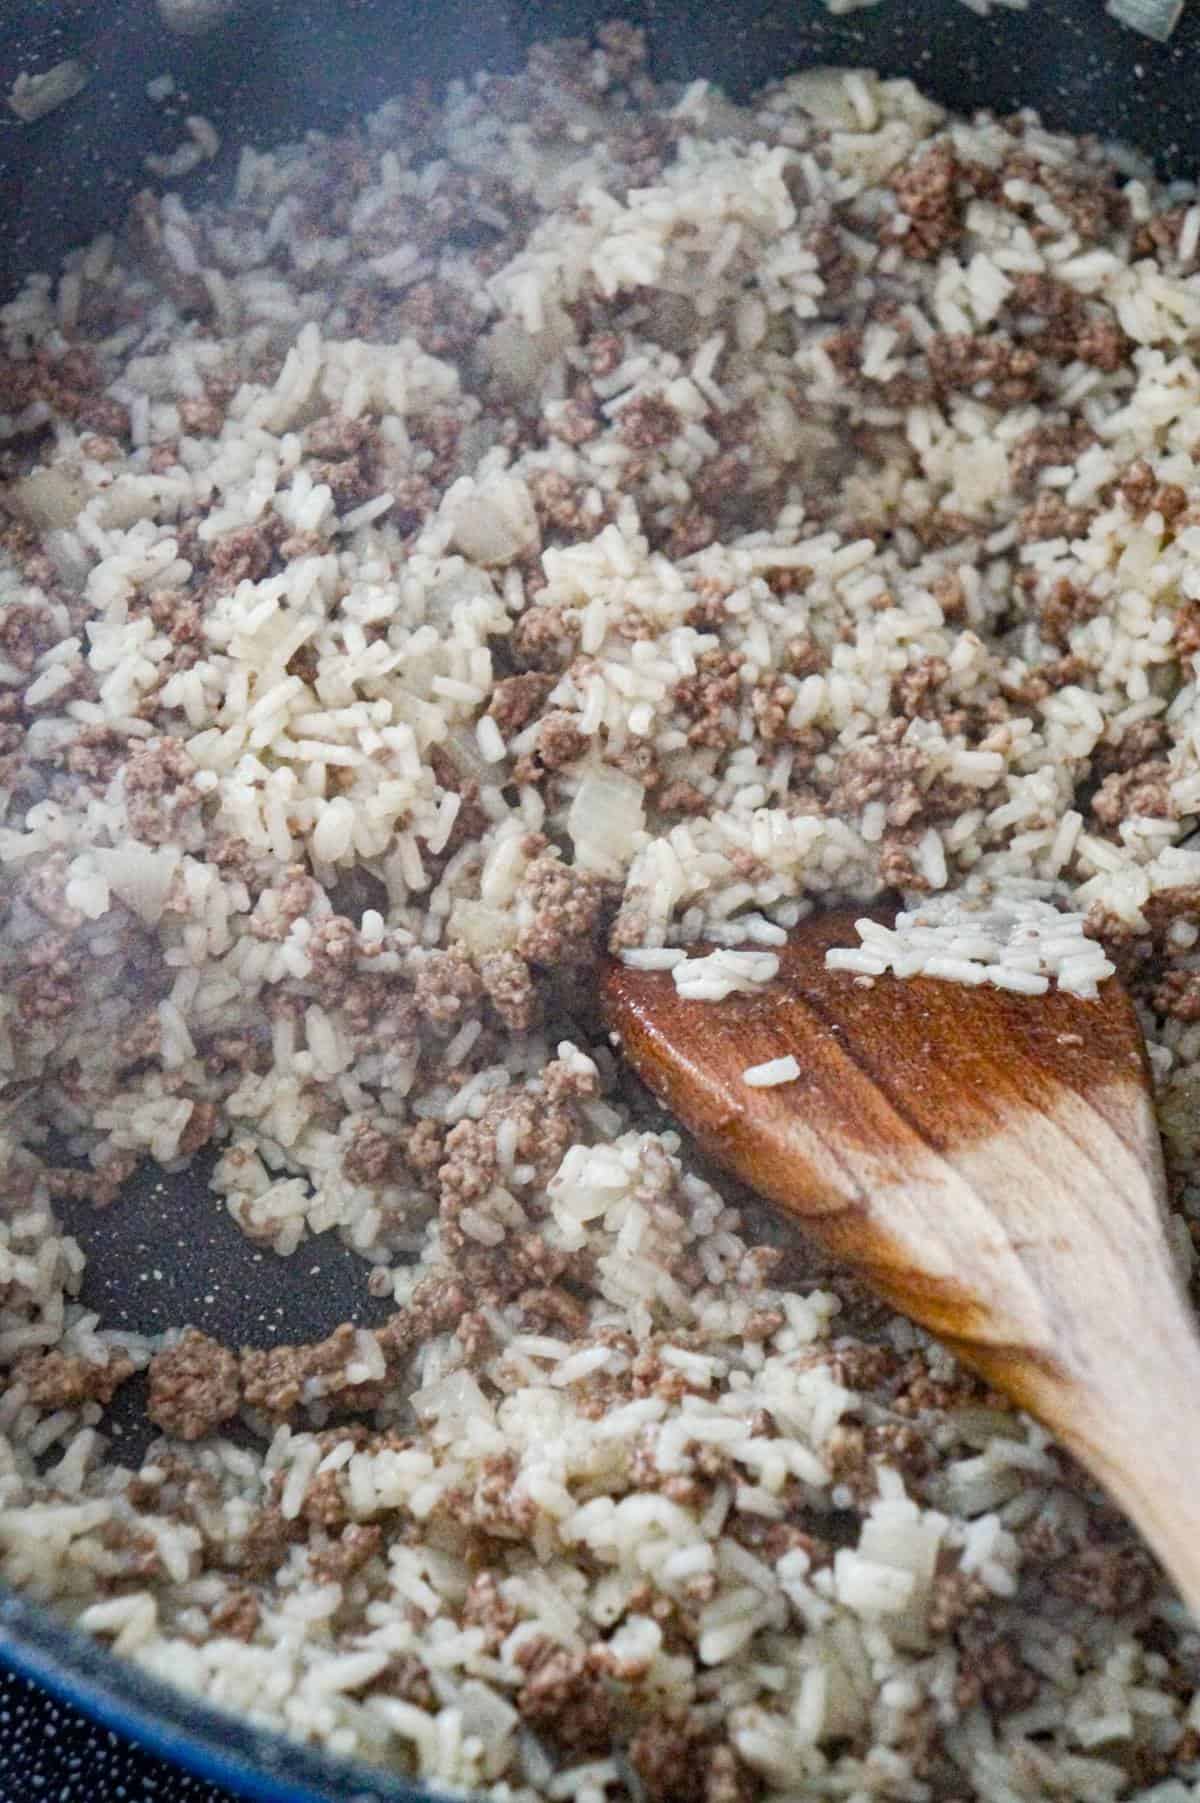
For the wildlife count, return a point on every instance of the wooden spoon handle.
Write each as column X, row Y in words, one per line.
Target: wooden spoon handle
column 1141, row 1436
column 1136, row 1426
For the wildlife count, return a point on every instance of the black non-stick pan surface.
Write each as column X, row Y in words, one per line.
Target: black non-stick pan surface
column 278, row 68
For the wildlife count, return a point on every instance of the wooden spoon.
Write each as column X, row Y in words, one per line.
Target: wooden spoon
column 989, row 1163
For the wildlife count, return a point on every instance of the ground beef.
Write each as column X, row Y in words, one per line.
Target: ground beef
column 898, row 866
column 544, row 1131
column 559, row 743
column 1048, row 447
column 275, row 1379
column 678, row 1760
column 1065, row 326
column 682, row 797
column 856, row 1365
column 992, row 1671
column 649, row 422
column 1177, row 995
column 372, row 1156
column 991, row 365
column 564, row 1080
column 336, row 436
column 278, row 1380
column 25, row 632
column 49, row 989
column 405, row 1677
column 563, row 507
column 100, row 1186
column 563, row 1699
column 1112, row 1579
column 915, row 692
column 348, row 481
column 517, row 699
column 202, row 1124
column 236, row 1616
column 242, row 555
column 772, row 702
column 509, row 986
column 96, row 754
column 484, row 1607
column 131, row 1557
column 710, row 699
column 60, row 1380
column 357, row 1546
column 194, row 1386
column 1050, row 517
column 334, row 949
column 927, row 194
column 549, row 1308
column 721, row 477
column 43, row 888
column 955, row 1595
column 693, row 530
column 181, row 617
column 1065, row 607
column 545, row 638
column 470, row 822
column 879, row 769
column 439, row 317
column 160, row 790
column 279, row 908
column 573, row 421
column 1144, row 790
column 1158, row 236
column 424, row 1147
column 70, row 383
column 324, row 1504
column 266, row 1543
column 566, row 905
column 446, row 986
column 415, row 499
column 201, row 415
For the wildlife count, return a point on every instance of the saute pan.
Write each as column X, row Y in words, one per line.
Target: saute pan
column 271, row 71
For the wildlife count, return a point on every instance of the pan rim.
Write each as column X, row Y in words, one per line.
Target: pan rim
column 260, row 1764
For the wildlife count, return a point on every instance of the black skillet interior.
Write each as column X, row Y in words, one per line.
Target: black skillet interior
column 166, row 1253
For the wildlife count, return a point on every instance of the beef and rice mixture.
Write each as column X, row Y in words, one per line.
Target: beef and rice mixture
column 583, row 514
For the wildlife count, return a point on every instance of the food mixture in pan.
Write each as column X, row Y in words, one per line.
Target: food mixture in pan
column 581, row 515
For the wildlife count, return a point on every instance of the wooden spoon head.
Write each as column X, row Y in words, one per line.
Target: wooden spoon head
column 981, row 1157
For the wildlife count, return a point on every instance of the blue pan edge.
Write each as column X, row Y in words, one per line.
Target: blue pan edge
column 258, row 1764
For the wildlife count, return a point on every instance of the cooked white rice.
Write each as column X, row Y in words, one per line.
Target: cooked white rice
column 1014, row 942
column 982, row 7
column 773, row 1072
column 1153, row 18
column 785, row 502
column 722, row 973
column 32, row 96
